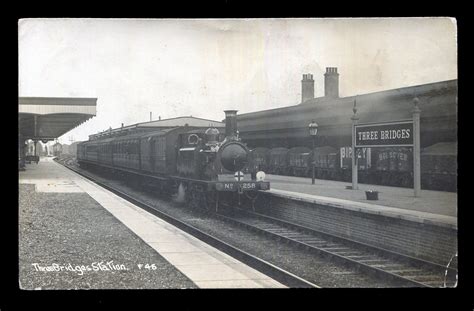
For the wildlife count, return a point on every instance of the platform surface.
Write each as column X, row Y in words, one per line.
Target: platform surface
column 204, row 265
column 436, row 207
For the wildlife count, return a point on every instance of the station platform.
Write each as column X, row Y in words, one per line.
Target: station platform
column 76, row 235
column 434, row 207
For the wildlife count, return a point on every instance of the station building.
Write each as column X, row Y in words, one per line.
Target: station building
column 288, row 126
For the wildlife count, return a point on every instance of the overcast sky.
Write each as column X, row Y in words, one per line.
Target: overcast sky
column 202, row 67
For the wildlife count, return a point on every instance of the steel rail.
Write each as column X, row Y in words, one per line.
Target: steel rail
column 345, row 243
column 286, row 278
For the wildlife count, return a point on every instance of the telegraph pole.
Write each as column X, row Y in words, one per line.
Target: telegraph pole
column 416, row 148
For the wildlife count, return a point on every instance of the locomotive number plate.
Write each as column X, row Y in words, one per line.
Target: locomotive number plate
column 249, row 185
column 243, row 186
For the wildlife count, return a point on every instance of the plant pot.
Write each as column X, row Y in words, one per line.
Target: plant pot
column 372, row 195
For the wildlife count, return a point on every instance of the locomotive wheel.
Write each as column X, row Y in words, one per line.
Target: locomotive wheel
column 190, row 197
column 134, row 182
column 211, row 201
column 195, row 198
column 206, row 200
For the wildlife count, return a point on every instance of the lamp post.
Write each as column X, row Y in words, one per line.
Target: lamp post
column 354, row 119
column 313, row 130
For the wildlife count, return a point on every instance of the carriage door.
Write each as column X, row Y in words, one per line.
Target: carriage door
column 152, row 154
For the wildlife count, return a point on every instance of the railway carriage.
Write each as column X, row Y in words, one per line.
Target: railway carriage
column 326, row 160
column 391, row 166
column 259, row 159
column 439, row 166
column 299, row 161
column 126, row 153
column 278, row 161
column 105, row 152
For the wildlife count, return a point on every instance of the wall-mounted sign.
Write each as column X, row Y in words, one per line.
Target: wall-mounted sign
column 364, row 158
column 388, row 134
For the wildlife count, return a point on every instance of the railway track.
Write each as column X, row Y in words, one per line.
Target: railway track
column 392, row 267
column 403, row 270
column 285, row 277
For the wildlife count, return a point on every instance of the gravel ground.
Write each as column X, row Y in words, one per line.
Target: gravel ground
column 317, row 270
column 71, row 232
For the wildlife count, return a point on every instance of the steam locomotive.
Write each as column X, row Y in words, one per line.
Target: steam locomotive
column 199, row 165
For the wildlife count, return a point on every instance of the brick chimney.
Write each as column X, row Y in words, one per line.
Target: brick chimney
column 331, row 83
column 307, row 87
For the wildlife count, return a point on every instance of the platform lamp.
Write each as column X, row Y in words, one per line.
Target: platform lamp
column 313, row 130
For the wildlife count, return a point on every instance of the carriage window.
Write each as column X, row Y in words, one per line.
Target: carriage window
column 161, row 147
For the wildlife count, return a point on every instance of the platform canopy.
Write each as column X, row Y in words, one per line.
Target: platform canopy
column 47, row 118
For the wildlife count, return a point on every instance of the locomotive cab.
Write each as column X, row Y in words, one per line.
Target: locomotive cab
column 197, row 154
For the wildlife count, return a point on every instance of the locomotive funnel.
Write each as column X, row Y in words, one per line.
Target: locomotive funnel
column 230, row 123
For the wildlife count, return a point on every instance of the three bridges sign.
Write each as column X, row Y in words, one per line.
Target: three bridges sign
column 403, row 133
column 388, row 134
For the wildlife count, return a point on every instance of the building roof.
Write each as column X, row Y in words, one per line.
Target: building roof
column 182, row 121
column 444, row 148
column 144, row 127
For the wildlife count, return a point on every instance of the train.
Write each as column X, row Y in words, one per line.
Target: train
column 392, row 166
column 57, row 149
column 199, row 164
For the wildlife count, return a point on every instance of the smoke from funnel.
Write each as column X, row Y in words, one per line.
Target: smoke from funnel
column 181, row 194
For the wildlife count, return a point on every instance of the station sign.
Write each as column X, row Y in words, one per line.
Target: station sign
column 388, row 134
